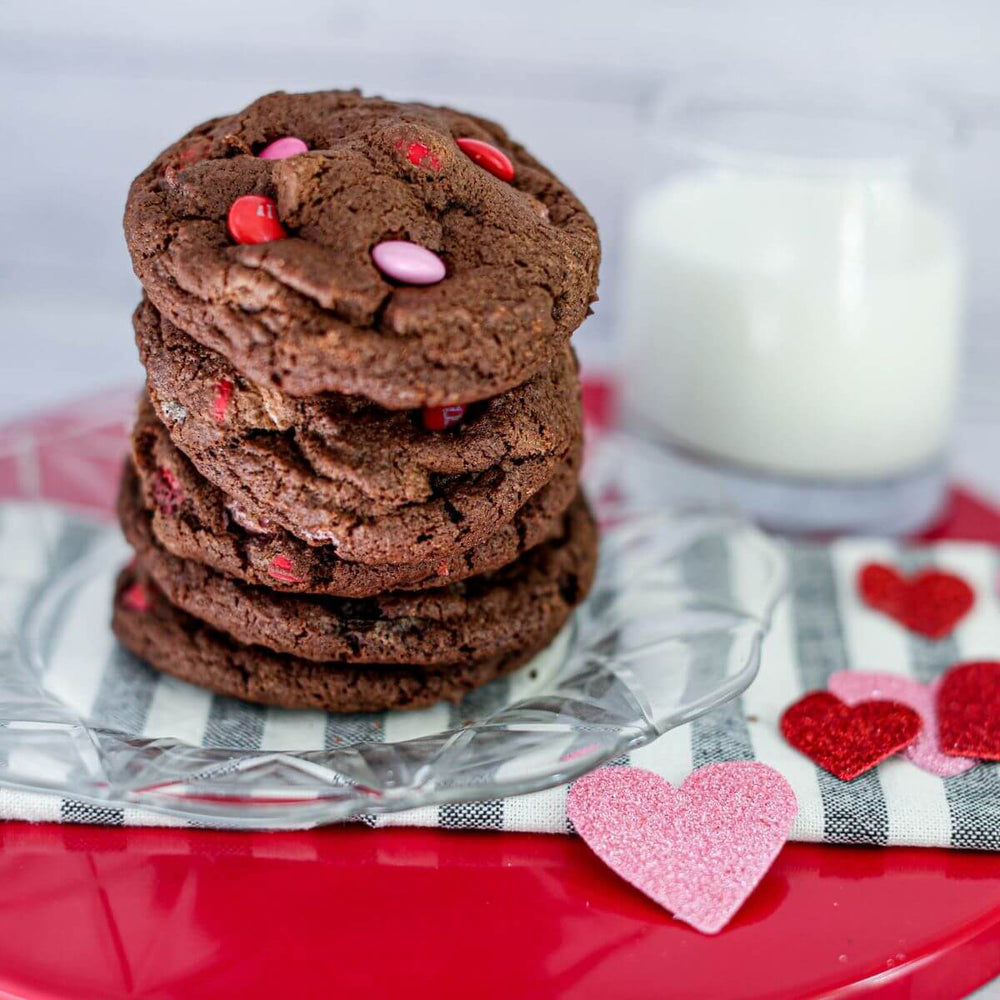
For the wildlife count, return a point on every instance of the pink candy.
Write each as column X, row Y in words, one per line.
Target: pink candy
column 282, row 148
column 408, row 263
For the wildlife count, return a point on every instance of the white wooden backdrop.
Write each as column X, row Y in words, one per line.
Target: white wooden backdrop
column 92, row 90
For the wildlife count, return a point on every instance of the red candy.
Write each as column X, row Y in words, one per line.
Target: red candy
column 187, row 156
column 931, row 602
column 848, row 740
column 420, row 156
column 440, row 418
column 220, row 402
column 135, row 597
column 488, row 157
column 194, row 152
column 254, row 219
column 167, row 492
column 281, row 569
column 968, row 706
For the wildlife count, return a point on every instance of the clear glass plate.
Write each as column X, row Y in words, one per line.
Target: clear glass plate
column 672, row 629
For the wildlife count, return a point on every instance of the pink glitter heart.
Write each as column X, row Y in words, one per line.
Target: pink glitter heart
column 698, row 850
column 853, row 686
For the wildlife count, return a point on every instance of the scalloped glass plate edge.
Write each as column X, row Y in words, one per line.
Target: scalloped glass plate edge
column 672, row 629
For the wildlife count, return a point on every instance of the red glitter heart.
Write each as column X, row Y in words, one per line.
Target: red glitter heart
column 931, row 602
column 848, row 740
column 969, row 710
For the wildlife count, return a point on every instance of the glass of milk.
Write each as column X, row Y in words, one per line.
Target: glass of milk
column 792, row 302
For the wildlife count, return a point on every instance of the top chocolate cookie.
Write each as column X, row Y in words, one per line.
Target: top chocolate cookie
column 323, row 304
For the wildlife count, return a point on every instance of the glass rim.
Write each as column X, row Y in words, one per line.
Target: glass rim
column 677, row 117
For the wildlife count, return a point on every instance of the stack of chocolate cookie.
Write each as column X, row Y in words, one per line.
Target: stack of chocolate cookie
column 353, row 482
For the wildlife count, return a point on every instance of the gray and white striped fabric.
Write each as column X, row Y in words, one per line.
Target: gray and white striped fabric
column 819, row 627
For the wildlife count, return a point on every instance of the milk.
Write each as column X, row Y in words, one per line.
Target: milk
column 804, row 325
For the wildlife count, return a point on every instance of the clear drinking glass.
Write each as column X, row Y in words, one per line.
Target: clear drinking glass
column 792, row 300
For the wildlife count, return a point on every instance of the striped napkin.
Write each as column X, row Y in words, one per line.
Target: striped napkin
column 820, row 627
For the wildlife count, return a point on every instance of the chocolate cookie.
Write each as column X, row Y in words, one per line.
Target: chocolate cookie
column 193, row 519
column 179, row 644
column 290, row 479
column 312, row 312
column 351, row 454
column 516, row 607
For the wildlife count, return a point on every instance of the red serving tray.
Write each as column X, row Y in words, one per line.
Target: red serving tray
column 95, row 912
